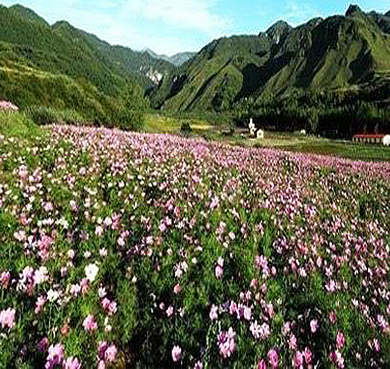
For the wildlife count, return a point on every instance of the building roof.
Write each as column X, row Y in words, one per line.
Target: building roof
column 365, row 135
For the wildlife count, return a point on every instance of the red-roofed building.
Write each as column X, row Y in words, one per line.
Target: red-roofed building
column 383, row 139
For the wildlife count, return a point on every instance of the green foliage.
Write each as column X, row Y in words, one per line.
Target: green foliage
column 18, row 125
column 43, row 116
column 336, row 114
column 88, row 80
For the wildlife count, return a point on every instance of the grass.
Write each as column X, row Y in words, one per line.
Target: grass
column 156, row 123
column 19, row 125
column 319, row 146
column 279, row 140
column 346, row 150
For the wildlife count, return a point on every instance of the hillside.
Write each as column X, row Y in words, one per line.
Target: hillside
column 63, row 67
column 53, row 47
column 326, row 54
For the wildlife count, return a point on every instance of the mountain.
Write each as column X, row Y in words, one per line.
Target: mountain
column 63, row 67
column 176, row 59
column 27, row 13
column 383, row 21
column 21, row 26
column 339, row 52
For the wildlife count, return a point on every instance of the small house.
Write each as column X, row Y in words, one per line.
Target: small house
column 260, row 134
column 382, row 139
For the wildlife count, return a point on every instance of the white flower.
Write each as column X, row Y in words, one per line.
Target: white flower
column 53, row 295
column 91, row 272
column 102, row 292
column 40, row 275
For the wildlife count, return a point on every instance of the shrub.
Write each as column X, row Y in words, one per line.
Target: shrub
column 42, row 115
column 186, row 127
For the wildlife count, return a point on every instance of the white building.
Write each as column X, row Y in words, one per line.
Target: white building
column 260, row 133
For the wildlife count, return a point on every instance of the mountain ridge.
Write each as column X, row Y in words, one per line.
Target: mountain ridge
column 340, row 51
column 176, row 59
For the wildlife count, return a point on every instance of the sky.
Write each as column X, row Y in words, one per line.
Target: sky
column 171, row 26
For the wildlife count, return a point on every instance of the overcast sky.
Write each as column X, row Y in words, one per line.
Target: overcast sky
column 170, row 26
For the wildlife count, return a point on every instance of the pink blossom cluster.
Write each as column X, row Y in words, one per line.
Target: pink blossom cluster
column 8, row 106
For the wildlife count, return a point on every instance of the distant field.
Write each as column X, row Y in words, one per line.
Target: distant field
column 280, row 140
column 156, row 123
column 322, row 146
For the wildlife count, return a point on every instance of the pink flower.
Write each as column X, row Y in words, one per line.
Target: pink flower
column 298, row 360
column 308, row 356
column 292, row 343
column 286, row 328
column 90, row 324
column 314, row 325
column 43, row 344
column 247, row 313
column 262, row 364
column 198, row 365
column 110, row 354
column 112, row 308
column 48, row 206
column 337, row 359
column 176, row 353
column 40, row 275
column 218, row 271
column 233, row 308
column 7, row 318
column 273, row 358
column 176, row 289
column 99, row 231
column 340, row 340
column 41, row 301
column 226, row 343
column 214, row 312
column 72, row 363
column 332, row 317
column 55, row 357
column 84, row 284
column 377, row 345
column 169, row 311
column 105, row 303
column 102, row 349
column 4, row 279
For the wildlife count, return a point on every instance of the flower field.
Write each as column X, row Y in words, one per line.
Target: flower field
column 154, row 251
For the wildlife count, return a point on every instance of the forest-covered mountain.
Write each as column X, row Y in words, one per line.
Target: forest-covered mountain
column 176, row 59
column 64, row 67
column 349, row 52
